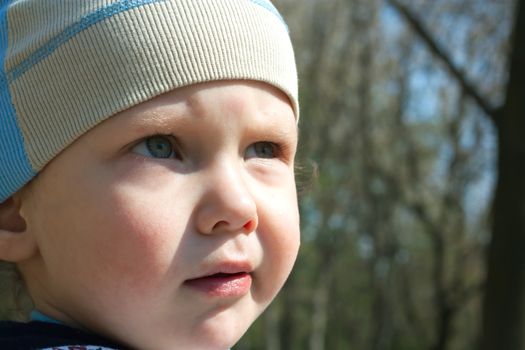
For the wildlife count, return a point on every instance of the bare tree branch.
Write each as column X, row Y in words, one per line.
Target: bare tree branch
column 425, row 35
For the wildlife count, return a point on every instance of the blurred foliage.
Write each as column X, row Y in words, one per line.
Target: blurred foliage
column 395, row 172
column 402, row 164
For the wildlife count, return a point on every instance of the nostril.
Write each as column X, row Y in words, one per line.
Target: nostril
column 219, row 225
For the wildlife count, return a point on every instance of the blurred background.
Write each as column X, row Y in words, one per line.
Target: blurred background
column 397, row 172
column 406, row 106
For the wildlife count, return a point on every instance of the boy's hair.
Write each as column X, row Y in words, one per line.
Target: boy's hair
column 67, row 65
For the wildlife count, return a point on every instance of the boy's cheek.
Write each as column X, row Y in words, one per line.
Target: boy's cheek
column 279, row 234
column 112, row 227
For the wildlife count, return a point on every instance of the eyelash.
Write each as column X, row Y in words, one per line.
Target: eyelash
column 274, row 149
column 143, row 146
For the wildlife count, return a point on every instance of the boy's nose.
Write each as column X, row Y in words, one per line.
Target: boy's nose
column 227, row 204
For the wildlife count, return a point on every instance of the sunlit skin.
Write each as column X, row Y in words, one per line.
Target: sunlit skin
column 191, row 183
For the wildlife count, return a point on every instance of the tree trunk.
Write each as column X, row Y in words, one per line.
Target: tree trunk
column 504, row 302
column 320, row 311
column 271, row 320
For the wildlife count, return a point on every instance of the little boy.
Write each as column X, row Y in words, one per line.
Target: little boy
column 146, row 169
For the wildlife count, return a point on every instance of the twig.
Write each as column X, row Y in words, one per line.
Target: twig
column 432, row 44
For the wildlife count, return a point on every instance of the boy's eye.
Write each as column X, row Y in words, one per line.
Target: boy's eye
column 262, row 150
column 157, row 146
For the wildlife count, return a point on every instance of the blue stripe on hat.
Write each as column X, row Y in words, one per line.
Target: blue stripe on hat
column 15, row 168
column 75, row 28
column 93, row 18
column 269, row 6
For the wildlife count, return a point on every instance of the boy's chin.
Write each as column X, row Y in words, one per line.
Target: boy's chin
column 217, row 341
column 222, row 334
column 222, row 339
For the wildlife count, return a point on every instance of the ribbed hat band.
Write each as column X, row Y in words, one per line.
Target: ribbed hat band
column 67, row 65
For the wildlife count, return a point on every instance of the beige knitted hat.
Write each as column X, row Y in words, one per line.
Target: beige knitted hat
column 67, row 65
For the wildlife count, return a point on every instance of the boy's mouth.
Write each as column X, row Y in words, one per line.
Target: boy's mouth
column 222, row 284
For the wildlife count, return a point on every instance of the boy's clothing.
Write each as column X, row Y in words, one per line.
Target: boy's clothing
column 49, row 336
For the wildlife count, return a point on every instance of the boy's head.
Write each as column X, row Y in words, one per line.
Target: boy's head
column 163, row 134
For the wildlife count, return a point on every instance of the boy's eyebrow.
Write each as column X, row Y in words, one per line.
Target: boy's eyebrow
column 285, row 132
column 154, row 119
column 163, row 122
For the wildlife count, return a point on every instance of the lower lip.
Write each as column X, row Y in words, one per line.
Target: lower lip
column 234, row 285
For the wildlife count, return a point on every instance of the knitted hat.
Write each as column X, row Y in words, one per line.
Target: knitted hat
column 67, row 65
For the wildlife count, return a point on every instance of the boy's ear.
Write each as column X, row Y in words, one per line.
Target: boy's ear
column 16, row 243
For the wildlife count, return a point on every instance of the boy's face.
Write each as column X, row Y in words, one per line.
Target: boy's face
column 173, row 224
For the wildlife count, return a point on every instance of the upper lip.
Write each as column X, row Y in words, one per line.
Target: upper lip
column 225, row 267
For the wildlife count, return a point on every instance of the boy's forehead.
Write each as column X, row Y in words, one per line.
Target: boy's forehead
column 194, row 103
column 70, row 64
